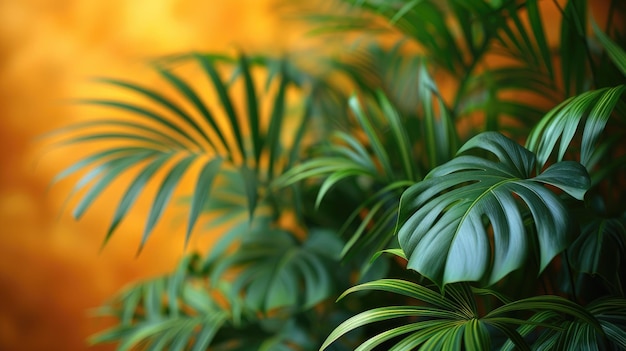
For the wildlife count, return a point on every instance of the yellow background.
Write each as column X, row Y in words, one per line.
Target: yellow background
column 51, row 267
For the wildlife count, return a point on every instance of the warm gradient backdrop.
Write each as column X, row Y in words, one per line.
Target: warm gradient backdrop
column 51, row 267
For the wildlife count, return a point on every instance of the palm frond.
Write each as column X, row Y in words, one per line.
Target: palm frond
column 446, row 322
column 598, row 249
column 273, row 267
column 385, row 159
column 589, row 111
column 616, row 53
column 178, row 140
column 601, row 322
column 574, row 46
column 189, row 319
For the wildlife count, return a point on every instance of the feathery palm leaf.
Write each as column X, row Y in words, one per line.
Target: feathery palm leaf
column 452, row 321
column 182, row 139
column 605, row 327
column 189, row 319
column 386, row 159
column 275, row 270
column 589, row 112
column 598, row 249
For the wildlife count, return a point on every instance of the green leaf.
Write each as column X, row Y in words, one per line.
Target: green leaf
column 100, row 156
column 439, row 135
column 590, row 110
column 432, row 322
column 251, row 186
column 274, row 270
column 161, row 100
column 163, row 195
column 599, row 247
column 133, row 191
column 399, row 137
column 227, row 104
column 253, row 109
column 573, row 46
column 616, row 53
column 405, row 288
column 150, row 115
column 201, row 192
column 272, row 140
column 109, row 171
column 444, row 221
column 376, row 144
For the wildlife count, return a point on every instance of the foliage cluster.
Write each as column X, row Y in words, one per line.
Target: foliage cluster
column 490, row 218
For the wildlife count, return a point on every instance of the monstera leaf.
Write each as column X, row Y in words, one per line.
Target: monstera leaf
column 473, row 218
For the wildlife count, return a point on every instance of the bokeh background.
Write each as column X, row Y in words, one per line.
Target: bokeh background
column 52, row 271
column 52, row 268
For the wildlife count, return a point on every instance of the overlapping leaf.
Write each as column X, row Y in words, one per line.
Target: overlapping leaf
column 468, row 220
column 589, row 111
column 189, row 320
column 599, row 247
column 275, row 270
column 163, row 136
column 445, row 322
column 601, row 322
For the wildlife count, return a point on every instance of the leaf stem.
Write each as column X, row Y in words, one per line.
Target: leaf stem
column 571, row 276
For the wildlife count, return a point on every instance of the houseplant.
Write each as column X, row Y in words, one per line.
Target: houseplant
column 491, row 217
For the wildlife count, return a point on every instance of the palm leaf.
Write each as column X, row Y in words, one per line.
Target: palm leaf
column 389, row 162
column 573, row 47
column 165, row 137
column 590, row 111
column 440, row 136
column 616, row 54
column 599, row 247
column 601, row 322
column 275, row 267
column 191, row 321
column 446, row 322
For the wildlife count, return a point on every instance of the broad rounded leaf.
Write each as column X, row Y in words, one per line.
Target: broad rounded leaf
column 469, row 219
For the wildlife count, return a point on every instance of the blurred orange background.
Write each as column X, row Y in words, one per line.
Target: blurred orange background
column 51, row 268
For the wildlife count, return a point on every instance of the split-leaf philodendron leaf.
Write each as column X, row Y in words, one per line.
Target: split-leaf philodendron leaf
column 473, row 218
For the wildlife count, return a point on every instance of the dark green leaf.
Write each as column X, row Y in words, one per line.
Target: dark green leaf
column 441, row 224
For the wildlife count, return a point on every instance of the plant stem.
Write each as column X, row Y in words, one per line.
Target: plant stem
column 571, row 276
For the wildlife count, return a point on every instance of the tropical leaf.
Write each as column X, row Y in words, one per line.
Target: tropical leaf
column 599, row 247
column 177, row 140
column 423, row 21
column 451, row 321
column 275, row 270
column 439, row 133
column 182, row 312
column 574, row 47
column 525, row 38
column 188, row 320
column 589, row 111
column 446, row 221
column 598, row 326
column 616, row 53
column 446, row 322
column 386, row 158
